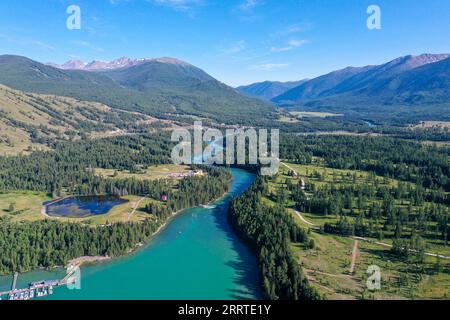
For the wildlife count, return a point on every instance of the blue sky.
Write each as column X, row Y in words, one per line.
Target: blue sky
column 236, row 41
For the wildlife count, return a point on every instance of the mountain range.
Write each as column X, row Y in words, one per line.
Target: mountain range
column 384, row 82
column 161, row 87
column 409, row 87
column 123, row 62
column 268, row 90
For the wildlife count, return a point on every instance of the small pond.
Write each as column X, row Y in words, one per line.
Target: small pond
column 83, row 206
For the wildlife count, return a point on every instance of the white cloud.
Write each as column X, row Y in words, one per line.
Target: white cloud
column 292, row 44
column 178, row 5
column 290, row 30
column 87, row 45
column 235, row 48
column 269, row 66
column 28, row 42
column 282, row 49
column 42, row 45
column 249, row 5
column 297, row 43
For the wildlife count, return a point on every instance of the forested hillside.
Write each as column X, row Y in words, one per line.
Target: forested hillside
column 384, row 199
column 268, row 90
column 71, row 165
column 159, row 89
column 34, row 121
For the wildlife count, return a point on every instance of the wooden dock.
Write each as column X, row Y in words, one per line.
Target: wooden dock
column 14, row 284
column 38, row 289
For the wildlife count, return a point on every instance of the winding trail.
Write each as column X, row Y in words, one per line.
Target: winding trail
column 354, row 255
column 290, row 168
column 304, row 220
column 390, row 246
column 135, row 208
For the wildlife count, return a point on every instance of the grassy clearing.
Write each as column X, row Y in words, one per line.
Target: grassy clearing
column 327, row 268
column 284, row 119
column 336, row 176
column 122, row 213
column 403, row 279
column 296, row 117
column 300, row 114
column 152, row 173
column 27, row 205
column 16, row 140
column 433, row 124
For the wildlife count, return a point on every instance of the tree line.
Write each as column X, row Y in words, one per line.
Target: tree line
column 269, row 231
column 71, row 165
column 404, row 160
column 28, row 245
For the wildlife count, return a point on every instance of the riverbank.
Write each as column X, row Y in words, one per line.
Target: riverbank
column 78, row 262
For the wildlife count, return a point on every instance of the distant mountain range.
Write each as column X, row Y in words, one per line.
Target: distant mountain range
column 382, row 83
column 120, row 63
column 414, row 87
column 411, row 87
column 161, row 87
column 268, row 90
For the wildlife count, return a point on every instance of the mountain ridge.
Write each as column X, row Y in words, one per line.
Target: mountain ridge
column 120, row 63
column 407, row 89
column 267, row 90
column 356, row 79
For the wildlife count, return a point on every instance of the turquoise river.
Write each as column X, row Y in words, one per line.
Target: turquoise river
column 197, row 256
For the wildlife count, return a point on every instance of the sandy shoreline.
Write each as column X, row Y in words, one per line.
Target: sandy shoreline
column 78, row 262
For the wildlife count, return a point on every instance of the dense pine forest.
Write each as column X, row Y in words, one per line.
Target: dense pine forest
column 428, row 166
column 367, row 201
column 270, row 231
column 70, row 165
column 417, row 206
column 26, row 246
